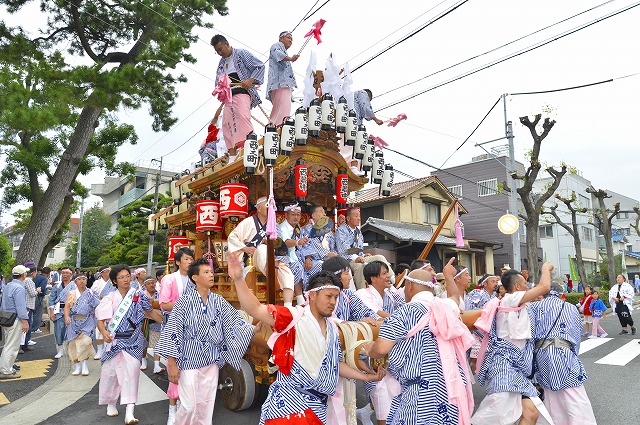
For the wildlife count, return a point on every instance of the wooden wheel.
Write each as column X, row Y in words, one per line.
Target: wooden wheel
column 238, row 387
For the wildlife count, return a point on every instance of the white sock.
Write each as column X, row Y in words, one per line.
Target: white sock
column 288, row 304
column 60, row 351
column 85, row 368
column 172, row 408
column 156, row 365
column 300, row 299
column 144, row 363
column 77, row 369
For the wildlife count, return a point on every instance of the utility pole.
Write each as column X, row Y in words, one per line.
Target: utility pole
column 152, row 237
column 79, row 251
column 513, row 195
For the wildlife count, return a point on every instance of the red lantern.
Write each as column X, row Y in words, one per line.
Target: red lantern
column 175, row 243
column 342, row 188
column 234, row 200
column 208, row 216
column 342, row 217
column 301, row 180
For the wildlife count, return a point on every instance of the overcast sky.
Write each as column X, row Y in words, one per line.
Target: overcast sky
column 596, row 129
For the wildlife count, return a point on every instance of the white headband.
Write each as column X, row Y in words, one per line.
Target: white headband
column 320, row 288
column 420, row 282
column 485, row 279
column 337, row 272
column 425, row 266
column 460, row 273
column 292, row 208
column 261, row 200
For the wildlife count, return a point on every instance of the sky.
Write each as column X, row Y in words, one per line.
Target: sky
column 596, row 129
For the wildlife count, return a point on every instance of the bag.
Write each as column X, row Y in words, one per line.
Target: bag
column 7, row 318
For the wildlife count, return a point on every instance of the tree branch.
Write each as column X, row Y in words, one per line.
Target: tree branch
column 636, row 226
column 80, row 31
column 52, row 35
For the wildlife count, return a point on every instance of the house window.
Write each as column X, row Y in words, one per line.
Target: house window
column 587, row 233
column 487, row 187
column 630, row 247
column 622, row 215
column 431, row 213
column 51, row 254
column 456, row 190
column 585, row 201
column 626, row 231
column 546, row 231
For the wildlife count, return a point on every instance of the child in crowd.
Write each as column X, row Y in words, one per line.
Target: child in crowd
column 585, row 308
column 598, row 309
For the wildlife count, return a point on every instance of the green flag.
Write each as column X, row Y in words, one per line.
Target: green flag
column 574, row 271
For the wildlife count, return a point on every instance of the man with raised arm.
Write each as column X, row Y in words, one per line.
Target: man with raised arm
column 306, row 348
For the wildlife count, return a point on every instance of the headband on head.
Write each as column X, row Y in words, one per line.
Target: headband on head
column 420, row 282
column 149, row 278
column 293, row 207
column 284, row 33
column 261, row 200
column 137, row 271
column 485, row 279
column 337, row 272
column 427, row 264
column 320, row 288
column 460, row 273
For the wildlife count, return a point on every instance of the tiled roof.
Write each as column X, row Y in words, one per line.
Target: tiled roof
column 632, row 254
column 404, row 232
column 618, row 237
column 398, row 189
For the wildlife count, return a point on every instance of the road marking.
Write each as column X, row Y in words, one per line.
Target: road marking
column 3, row 399
column 148, row 391
column 33, row 369
column 590, row 344
column 622, row 355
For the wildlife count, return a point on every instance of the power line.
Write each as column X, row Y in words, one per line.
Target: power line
column 189, row 139
column 411, row 34
column 492, row 50
column 563, row 89
column 511, row 56
column 305, row 15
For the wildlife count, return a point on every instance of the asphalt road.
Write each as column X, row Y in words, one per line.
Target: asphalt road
column 613, row 365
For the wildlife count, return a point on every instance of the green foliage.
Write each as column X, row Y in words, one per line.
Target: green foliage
column 130, row 244
column 574, row 297
column 6, row 251
column 95, row 235
column 604, row 269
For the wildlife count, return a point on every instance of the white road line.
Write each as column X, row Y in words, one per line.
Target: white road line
column 622, row 355
column 148, row 391
column 590, row 344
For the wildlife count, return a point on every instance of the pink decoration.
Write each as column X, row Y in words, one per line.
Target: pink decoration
column 458, row 226
column 223, row 90
column 272, row 232
column 316, row 30
column 394, row 121
column 378, row 142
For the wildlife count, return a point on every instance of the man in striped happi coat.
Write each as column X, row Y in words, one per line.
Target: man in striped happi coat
column 426, row 343
column 204, row 332
column 477, row 299
column 505, row 367
column 290, row 233
column 57, row 298
column 305, row 347
column 556, row 327
column 313, row 253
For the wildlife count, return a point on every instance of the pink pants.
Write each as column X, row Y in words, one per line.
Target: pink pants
column 569, row 407
column 281, row 104
column 119, row 376
column 236, row 121
column 197, row 389
column 595, row 326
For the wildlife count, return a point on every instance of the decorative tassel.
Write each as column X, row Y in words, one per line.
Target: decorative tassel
column 458, row 226
column 271, row 215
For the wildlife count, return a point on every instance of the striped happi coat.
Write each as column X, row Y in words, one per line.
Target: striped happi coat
column 350, row 307
column 557, row 368
column 85, row 305
column 415, row 363
column 314, row 248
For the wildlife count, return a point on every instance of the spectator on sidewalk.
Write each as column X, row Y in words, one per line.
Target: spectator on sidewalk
column 636, row 283
column 57, row 299
column 14, row 301
column 30, row 288
column 41, row 280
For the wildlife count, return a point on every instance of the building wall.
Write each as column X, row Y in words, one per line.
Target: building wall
column 623, row 221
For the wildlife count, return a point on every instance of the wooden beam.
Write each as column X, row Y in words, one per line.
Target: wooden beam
column 432, row 241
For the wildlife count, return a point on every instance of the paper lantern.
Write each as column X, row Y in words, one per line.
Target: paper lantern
column 208, row 216
column 367, row 161
column 342, row 217
column 301, row 180
column 342, row 115
column 360, row 148
column 175, row 243
column 342, row 187
column 302, row 126
column 328, row 117
column 287, row 136
column 151, row 225
column 378, row 167
column 387, row 180
column 315, row 118
column 234, row 200
column 271, row 145
column 251, row 153
column 163, row 221
column 352, row 129
column 176, row 192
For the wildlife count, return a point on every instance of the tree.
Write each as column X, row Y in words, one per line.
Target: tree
column 101, row 57
column 6, row 257
column 602, row 221
column 130, row 244
column 636, row 225
column 533, row 204
column 572, row 230
column 95, row 235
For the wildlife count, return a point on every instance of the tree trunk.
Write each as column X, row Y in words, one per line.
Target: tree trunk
column 36, row 237
column 531, row 224
column 578, row 246
column 63, row 217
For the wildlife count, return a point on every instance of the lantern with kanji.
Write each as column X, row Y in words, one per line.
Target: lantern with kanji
column 234, row 200
column 378, row 167
column 302, row 126
column 327, row 113
column 341, row 216
column 342, row 188
column 367, row 161
column 271, row 146
column 163, row 221
column 251, row 157
column 352, row 129
column 360, row 147
column 176, row 192
column 208, row 216
column 287, row 136
column 301, row 180
column 387, row 180
column 315, row 118
column 175, row 243
column 342, row 115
